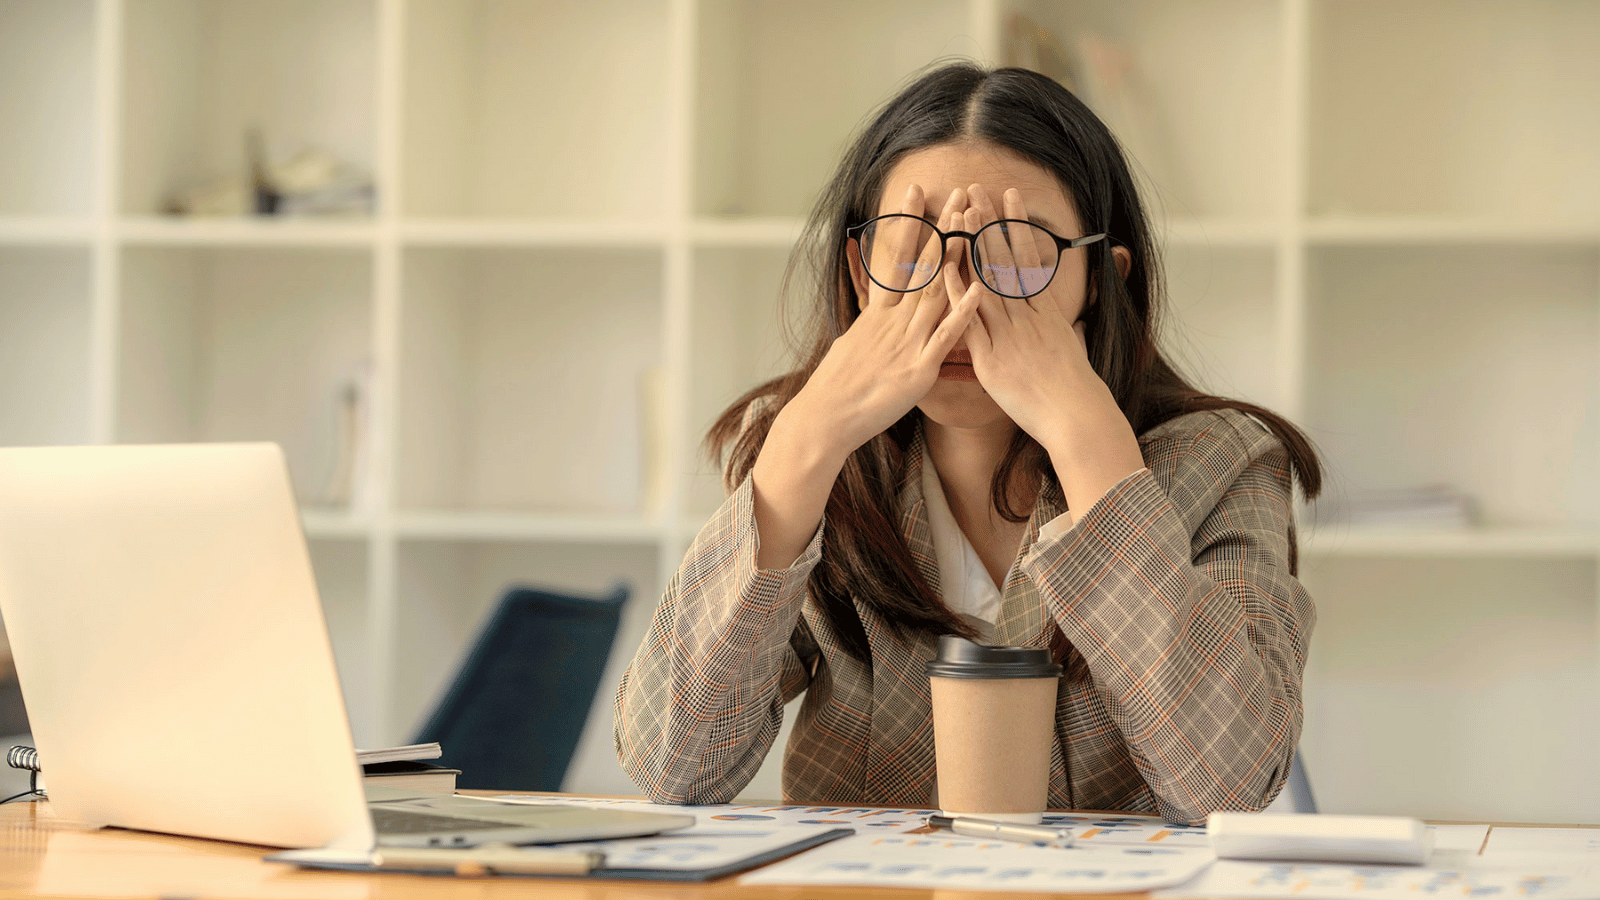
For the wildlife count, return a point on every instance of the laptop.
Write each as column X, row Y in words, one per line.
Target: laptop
column 177, row 670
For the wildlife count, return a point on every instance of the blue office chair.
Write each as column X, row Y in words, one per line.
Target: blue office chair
column 1299, row 786
column 1296, row 796
column 512, row 717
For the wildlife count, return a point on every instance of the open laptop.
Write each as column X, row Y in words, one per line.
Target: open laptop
column 176, row 666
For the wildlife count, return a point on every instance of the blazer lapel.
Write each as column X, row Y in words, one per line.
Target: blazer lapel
column 900, row 762
column 1022, row 621
column 914, row 513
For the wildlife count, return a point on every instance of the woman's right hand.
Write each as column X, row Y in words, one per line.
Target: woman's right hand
column 889, row 358
column 874, row 373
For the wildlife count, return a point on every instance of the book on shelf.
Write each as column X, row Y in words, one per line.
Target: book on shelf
column 411, row 774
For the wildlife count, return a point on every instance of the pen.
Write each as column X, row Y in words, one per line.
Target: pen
column 489, row 859
column 1048, row 835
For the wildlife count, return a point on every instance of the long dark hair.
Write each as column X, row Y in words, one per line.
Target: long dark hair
column 864, row 555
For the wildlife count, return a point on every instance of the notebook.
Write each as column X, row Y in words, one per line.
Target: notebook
column 177, row 670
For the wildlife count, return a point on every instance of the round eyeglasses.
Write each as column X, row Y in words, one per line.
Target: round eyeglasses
column 1013, row 257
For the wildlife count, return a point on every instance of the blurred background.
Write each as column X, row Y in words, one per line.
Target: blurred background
column 488, row 268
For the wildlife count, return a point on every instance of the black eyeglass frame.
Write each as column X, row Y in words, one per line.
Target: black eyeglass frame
column 1062, row 244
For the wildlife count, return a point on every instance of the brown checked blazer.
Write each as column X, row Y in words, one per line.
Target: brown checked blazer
column 1170, row 604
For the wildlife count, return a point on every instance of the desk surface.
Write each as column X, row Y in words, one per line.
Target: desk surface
column 42, row 856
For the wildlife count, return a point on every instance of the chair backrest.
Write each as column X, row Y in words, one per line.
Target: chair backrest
column 1299, row 786
column 1296, row 796
column 512, row 717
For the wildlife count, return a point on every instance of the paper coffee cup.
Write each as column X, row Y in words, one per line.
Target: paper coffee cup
column 993, row 721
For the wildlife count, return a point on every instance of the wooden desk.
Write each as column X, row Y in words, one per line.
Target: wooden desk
column 42, row 856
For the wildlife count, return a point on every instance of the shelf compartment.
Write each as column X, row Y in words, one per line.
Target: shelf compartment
column 1472, row 367
column 1427, row 675
column 769, row 137
column 1185, row 87
column 510, row 104
column 232, row 344
column 45, row 322
column 47, row 157
column 737, row 309
column 447, row 588
column 197, row 74
column 1494, row 113
column 528, row 380
column 1222, row 325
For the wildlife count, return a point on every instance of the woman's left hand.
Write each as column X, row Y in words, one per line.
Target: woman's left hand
column 1032, row 357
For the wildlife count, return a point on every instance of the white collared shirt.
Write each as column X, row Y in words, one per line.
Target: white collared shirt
column 964, row 583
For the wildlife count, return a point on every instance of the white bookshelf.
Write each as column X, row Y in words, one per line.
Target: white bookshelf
column 1377, row 218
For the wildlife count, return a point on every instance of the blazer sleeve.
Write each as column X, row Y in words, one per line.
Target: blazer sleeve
column 702, row 701
column 1181, row 599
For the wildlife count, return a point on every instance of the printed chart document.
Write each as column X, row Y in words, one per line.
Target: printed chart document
column 1556, row 863
column 1231, row 878
column 937, row 861
column 894, row 847
column 1115, row 829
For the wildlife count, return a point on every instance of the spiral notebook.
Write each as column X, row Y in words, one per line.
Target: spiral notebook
column 160, row 601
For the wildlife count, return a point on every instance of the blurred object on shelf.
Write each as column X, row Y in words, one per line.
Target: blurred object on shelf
column 218, row 197
column 264, row 195
column 308, row 182
column 1104, row 73
column 313, row 183
column 1433, row 507
column 345, row 487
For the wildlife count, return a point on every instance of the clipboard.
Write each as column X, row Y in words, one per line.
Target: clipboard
column 607, row 860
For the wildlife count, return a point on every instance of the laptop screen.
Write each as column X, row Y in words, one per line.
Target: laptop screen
column 171, row 646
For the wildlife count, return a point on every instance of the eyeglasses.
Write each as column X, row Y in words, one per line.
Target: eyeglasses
column 1013, row 257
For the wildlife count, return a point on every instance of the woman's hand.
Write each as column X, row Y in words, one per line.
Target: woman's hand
column 1032, row 357
column 889, row 358
column 874, row 373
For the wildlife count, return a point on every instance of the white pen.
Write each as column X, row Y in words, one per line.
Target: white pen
column 1048, row 835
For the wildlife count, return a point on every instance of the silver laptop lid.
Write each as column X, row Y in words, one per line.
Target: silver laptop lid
column 171, row 646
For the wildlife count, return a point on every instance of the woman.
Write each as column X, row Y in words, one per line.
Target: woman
column 984, row 440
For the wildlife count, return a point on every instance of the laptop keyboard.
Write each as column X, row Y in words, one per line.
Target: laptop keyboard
column 404, row 821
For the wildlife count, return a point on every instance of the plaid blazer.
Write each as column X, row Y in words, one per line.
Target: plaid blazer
column 1170, row 604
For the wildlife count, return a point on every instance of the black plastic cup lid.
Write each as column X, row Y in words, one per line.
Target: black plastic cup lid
column 961, row 658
